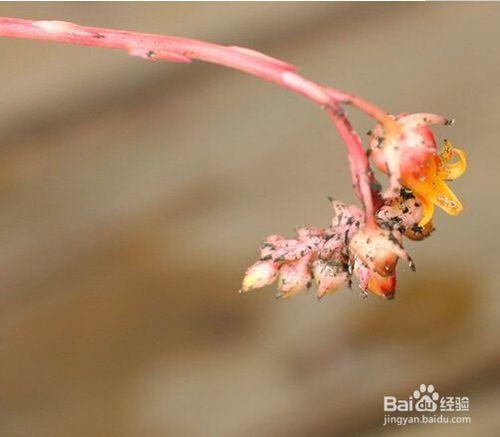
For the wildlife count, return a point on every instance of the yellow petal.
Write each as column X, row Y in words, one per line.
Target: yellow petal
column 451, row 171
column 436, row 190
column 428, row 212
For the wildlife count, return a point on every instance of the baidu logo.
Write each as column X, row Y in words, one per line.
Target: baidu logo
column 421, row 405
column 426, row 398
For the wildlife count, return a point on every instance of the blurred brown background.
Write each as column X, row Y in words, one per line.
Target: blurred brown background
column 132, row 200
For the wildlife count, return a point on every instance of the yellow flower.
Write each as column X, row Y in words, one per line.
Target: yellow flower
column 410, row 157
column 425, row 174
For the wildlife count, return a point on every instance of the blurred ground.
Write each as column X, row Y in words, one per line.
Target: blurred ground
column 134, row 194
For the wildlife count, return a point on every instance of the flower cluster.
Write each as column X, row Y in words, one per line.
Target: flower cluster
column 330, row 256
column 369, row 250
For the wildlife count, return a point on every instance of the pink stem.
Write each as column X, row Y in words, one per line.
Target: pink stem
column 177, row 49
column 362, row 177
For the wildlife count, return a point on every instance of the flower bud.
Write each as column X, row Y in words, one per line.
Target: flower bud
column 378, row 249
column 371, row 281
column 294, row 277
column 345, row 215
column 329, row 277
column 259, row 275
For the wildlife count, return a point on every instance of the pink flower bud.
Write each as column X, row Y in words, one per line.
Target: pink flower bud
column 259, row 275
column 329, row 277
column 378, row 249
column 345, row 215
column 295, row 277
column 371, row 281
column 333, row 247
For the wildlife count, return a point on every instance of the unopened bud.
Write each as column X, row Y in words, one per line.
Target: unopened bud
column 329, row 277
column 259, row 275
column 295, row 277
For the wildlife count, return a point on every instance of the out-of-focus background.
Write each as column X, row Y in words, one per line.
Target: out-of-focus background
column 132, row 199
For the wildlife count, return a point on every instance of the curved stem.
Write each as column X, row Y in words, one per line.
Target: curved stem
column 362, row 177
column 177, row 49
column 390, row 125
column 170, row 48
